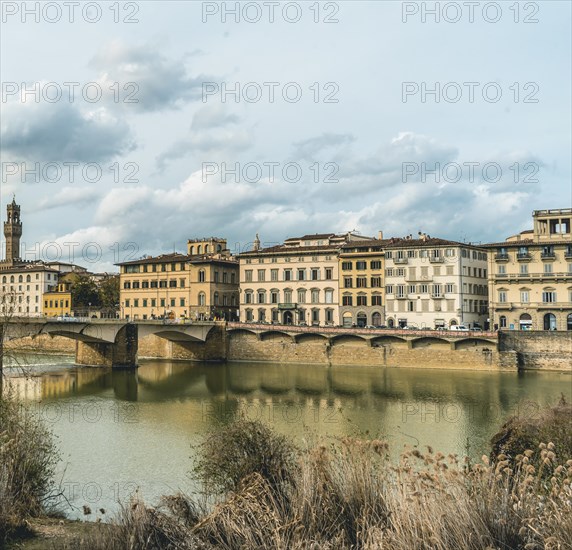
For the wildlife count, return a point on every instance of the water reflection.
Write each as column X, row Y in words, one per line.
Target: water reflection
column 123, row 429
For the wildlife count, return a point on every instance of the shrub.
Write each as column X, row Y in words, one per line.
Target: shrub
column 240, row 449
column 549, row 425
column 28, row 457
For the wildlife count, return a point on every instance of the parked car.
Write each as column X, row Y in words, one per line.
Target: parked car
column 459, row 328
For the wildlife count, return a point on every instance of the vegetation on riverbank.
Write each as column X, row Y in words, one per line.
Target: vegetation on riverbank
column 261, row 491
column 28, row 457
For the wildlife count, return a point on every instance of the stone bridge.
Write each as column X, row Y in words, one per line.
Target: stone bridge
column 106, row 342
column 372, row 337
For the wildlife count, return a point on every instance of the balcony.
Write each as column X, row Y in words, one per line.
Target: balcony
column 436, row 259
column 401, row 296
column 524, row 256
column 501, row 257
column 437, row 296
column 548, row 255
column 400, row 260
column 287, row 305
column 568, row 254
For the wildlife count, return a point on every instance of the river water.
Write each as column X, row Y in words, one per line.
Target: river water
column 121, row 431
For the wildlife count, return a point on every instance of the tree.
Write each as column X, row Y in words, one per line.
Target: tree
column 109, row 292
column 84, row 292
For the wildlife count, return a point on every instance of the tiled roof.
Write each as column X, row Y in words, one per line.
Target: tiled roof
column 526, row 242
column 290, row 250
column 178, row 257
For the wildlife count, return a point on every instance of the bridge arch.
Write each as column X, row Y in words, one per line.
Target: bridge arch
column 430, row 342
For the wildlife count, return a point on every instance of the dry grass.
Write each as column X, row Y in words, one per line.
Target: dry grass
column 28, row 457
column 349, row 495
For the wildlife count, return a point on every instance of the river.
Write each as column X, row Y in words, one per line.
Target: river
column 121, row 431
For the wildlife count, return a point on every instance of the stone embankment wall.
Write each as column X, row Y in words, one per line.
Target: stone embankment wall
column 351, row 350
column 539, row 350
column 43, row 343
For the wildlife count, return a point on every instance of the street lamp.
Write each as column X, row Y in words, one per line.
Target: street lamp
column 89, row 310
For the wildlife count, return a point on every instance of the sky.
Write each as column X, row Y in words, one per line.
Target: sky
column 129, row 127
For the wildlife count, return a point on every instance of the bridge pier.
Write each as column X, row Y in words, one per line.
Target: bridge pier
column 119, row 354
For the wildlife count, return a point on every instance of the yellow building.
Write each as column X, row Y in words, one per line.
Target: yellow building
column 199, row 285
column 530, row 275
column 58, row 299
column 361, row 299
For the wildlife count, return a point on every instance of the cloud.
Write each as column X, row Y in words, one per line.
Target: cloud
column 78, row 197
column 38, row 132
column 214, row 133
column 144, row 79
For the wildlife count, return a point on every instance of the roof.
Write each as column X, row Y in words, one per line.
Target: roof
column 22, row 268
column 428, row 242
column 525, row 242
column 178, row 257
column 291, row 250
column 312, row 237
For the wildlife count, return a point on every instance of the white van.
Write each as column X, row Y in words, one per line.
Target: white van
column 462, row 328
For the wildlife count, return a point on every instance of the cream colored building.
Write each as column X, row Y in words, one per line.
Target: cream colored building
column 434, row 283
column 296, row 282
column 530, row 275
column 199, row 285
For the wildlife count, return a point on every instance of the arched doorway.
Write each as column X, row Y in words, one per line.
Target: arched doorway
column 376, row 319
column 525, row 321
column 347, row 319
column 502, row 321
column 453, row 322
column 361, row 319
column 550, row 321
column 287, row 318
column 569, row 322
column 391, row 323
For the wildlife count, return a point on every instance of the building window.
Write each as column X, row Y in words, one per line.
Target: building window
column 274, row 297
column 523, row 269
column 261, row 297
column 375, row 264
column 346, row 266
column 389, row 289
column 549, row 296
column 501, row 269
column 182, row 302
column 410, row 306
column 315, row 274
column 261, row 275
column 215, row 298
column 524, row 296
column 273, row 274
column 329, row 273
column 502, row 296
column 315, row 296
column 376, row 300
column 247, row 276
column 288, row 296
column 173, row 302
column 362, row 300
column 216, row 276
column 547, row 268
column 144, row 302
column 329, row 296
column 287, row 274
column 411, row 289
column 301, row 274
column 449, row 288
column 173, row 283
column 301, row 296
column 203, row 299
column 376, row 282
column 502, row 321
column 361, row 282
column 361, row 265
column 347, row 300
column 247, row 297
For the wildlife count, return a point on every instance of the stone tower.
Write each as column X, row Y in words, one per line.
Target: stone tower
column 13, row 232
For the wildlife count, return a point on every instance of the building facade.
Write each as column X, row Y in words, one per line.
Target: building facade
column 530, row 275
column 200, row 285
column 435, row 283
column 294, row 283
column 23, row 283
column 361, row 292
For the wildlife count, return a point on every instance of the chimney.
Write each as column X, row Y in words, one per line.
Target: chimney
column 380, row 235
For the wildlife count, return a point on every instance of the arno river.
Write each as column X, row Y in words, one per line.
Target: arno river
column 119, row 431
